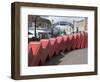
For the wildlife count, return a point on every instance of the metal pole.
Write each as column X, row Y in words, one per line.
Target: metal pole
column 73, row 25
column 35, row 27
column 52, row 27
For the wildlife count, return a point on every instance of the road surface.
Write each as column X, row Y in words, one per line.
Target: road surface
column 78, row 56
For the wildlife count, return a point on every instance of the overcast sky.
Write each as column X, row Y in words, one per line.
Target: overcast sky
column 62, row 18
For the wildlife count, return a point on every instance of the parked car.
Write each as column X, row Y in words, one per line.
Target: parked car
column 40, row 33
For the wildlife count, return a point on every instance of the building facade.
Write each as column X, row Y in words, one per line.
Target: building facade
column 80, row 25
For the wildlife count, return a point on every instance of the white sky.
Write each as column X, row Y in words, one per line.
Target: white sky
column 59, row 18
